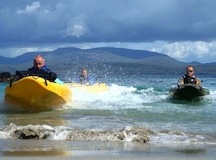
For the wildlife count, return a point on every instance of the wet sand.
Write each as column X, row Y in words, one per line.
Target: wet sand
column 92, row 155
column 112, row 158
column 66, row 150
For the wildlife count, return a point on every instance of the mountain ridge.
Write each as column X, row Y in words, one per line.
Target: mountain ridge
column 70, row 58
column 122, row 52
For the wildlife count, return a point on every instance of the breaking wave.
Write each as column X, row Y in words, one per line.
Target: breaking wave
column 129, row 134
column 117, row 97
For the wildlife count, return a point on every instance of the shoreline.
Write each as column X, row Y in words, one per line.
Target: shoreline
column 65, row 150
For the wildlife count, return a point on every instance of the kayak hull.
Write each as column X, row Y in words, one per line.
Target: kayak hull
column 37, row 94
column 188, row 92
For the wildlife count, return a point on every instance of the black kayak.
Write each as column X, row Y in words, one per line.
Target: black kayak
column 188, row 92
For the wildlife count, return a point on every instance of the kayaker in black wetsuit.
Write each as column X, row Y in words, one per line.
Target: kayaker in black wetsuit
column 39, row 67
column 189, row 77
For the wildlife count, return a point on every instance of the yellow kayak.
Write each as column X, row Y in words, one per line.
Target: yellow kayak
column 34, row 93
column 95, row 88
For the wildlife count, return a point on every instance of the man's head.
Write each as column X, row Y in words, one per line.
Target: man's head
column 190, row 71
column 38, row 62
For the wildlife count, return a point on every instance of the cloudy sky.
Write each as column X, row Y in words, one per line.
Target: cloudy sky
column 182, row 29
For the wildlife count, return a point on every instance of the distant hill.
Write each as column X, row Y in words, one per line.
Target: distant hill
column 105, row 60
column 105, row 54
column 129, row 53
column 195, row 63
column 4, row 60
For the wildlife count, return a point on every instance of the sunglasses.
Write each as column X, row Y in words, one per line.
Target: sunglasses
column 190, row 70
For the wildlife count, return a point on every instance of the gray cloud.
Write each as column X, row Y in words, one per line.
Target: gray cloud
column 60, row 21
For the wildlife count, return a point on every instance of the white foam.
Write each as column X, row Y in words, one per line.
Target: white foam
column 117, row 97
column 60, row 133
column 64, row 133
column 127, row 134
column 211, row 96
column 178, row 137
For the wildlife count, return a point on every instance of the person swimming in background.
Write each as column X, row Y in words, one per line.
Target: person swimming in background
column 39, row 65
column 84, row 77
column 189, row 77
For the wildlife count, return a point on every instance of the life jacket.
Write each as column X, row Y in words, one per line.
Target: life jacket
column 84, row 80
column 188, row 79
column 44, row 68
column 51, row 76
column 44, row 72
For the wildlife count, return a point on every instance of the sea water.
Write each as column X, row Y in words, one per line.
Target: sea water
column 135, row 109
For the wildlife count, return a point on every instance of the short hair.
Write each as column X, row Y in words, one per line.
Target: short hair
column 84, row 69
column 39, row 56
column 189, row 66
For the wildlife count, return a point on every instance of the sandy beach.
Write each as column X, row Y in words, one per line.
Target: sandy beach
column 114, row 155
column 65, row 150
column 107, row 157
